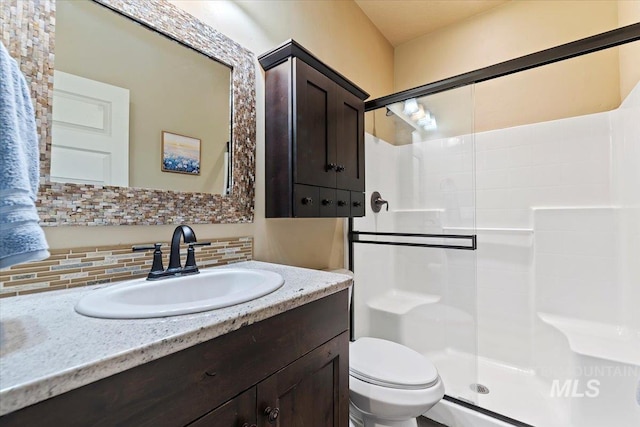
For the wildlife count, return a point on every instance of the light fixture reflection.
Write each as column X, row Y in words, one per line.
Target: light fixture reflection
column 410, row 106
column 431, row 125
column 416, row 112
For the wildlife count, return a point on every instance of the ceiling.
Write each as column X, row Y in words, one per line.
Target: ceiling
column 403, row 20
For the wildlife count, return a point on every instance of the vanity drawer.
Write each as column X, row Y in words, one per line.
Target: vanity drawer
column 178, row 389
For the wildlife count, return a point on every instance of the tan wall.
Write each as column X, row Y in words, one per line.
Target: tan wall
column 171, row 88
column 576, row 87
column 579, row 86
column 340, row 34
column 629, row 13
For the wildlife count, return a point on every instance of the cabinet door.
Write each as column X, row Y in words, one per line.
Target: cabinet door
column 315, row 127
column 350, row 141
column 313, row 391
column 238, row 412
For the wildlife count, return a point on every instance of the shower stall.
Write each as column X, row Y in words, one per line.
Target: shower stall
column 509, row 255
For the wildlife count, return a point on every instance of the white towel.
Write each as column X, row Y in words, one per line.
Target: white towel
column 21, row 238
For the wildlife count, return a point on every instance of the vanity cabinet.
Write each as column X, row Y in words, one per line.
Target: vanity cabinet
column 314, row 137
column 238, row 412
column 301, row 394
column 304, row 393
column 289, row 370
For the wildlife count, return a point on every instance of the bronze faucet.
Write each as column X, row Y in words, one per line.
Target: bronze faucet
column 175, row 266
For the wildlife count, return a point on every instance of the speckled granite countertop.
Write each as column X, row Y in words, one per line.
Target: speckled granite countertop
column 46, row 348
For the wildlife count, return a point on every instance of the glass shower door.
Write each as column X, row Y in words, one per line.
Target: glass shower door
column 415, row 263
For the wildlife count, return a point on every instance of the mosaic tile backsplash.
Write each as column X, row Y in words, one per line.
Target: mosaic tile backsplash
column 70, row 268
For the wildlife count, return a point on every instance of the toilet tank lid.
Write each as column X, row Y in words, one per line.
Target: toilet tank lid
column 386, row 363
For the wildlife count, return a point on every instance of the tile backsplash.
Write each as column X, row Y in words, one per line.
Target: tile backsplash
column 70, row 268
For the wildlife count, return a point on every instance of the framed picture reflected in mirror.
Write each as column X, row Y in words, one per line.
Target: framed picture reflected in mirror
column 180, row 153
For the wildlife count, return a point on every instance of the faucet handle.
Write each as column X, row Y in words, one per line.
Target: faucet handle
column 190, row 266
column 149, row 247
column 200, row 244
column 157, row 269
column 377, row 201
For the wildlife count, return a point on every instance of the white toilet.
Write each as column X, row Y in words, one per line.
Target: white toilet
column 390, row 385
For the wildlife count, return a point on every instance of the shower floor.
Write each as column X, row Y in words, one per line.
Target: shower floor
column 513, row 392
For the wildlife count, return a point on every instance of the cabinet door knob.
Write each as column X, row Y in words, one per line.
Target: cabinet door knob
column 327, row 202
column 357, row 204
column 272, row 414
column 307, row 201
column 330, row 166
column 340, row 168
column 341, row 203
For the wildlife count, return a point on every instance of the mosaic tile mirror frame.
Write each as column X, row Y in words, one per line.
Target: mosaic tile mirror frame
column 28, row 32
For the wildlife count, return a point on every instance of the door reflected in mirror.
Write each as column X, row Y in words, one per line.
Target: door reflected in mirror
column 117, row 87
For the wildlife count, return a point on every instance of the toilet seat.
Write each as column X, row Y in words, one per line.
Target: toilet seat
column 387, row 364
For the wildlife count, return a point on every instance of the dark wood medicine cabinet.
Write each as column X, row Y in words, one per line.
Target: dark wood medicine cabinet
column 314, row 137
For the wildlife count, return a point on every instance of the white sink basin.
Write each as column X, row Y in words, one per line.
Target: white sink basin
column 211, row 289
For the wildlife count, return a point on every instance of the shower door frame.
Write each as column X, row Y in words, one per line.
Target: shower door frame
column 598, row 42
column 606, row 40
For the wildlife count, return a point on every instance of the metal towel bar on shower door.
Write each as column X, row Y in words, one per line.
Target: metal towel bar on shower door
column 354, row 237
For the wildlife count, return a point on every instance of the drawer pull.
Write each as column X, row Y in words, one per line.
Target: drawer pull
column 357, row 204
column 327, row 202
column 330, row 166
column 342, row 203
column 272, row 414
column 211, row 373
column 307, row 201
column 340, row 168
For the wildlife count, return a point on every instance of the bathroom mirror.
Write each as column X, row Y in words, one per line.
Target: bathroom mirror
column 133, row 108
column 150, row 202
